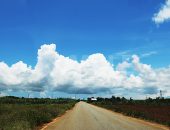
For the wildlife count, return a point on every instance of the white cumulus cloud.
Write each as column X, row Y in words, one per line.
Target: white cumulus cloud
column 55, row 72
column 163, row 14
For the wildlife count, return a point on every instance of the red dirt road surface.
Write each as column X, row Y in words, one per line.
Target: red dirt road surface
column 88, row 117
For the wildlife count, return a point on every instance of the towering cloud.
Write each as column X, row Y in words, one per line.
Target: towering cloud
column 55, row 72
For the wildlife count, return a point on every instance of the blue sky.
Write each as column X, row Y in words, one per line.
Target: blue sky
column 79, row 28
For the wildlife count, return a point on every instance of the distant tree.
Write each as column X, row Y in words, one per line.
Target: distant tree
column 118, row 99
column 100, row 99
column 88, row 99
column 124, row 100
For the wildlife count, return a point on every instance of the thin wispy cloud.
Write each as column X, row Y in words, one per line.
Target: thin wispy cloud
column 149, row 54
column 142, row 52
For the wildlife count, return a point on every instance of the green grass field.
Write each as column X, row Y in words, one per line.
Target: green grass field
column 30, row 114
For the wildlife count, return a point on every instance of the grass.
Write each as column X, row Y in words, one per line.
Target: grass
column 28, row 116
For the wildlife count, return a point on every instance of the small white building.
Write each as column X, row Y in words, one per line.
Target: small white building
column 93, row 99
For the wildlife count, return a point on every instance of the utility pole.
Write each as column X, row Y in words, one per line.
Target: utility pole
column 28, row 95
column 52, row 95
column 75, row 96
column 161, row 94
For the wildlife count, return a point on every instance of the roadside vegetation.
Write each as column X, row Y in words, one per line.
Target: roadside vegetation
column 30, row 113
column 156, row 110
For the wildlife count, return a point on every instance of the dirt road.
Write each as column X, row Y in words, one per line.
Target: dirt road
column 88, row 117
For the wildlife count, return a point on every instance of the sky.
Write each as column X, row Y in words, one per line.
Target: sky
column 91, row 48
